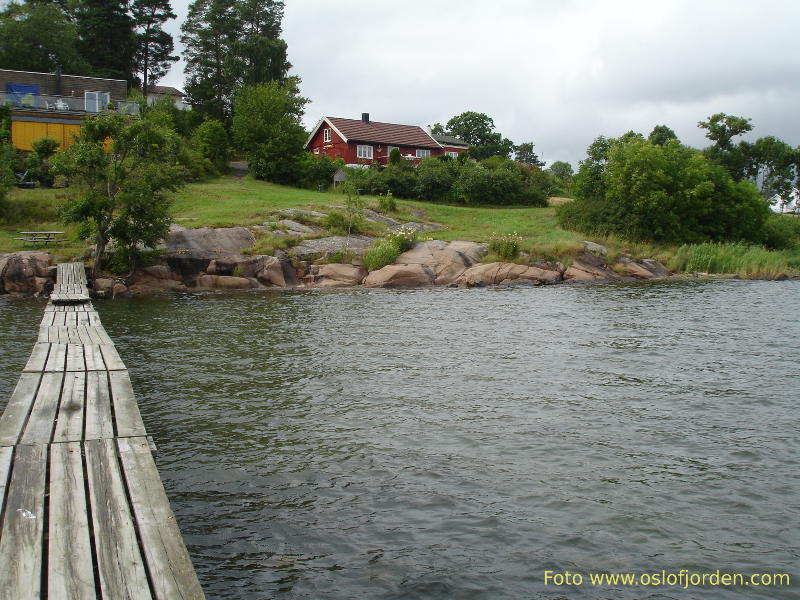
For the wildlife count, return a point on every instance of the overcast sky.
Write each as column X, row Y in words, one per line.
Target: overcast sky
column 557, row 72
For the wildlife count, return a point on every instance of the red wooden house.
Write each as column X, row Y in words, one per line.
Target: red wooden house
column 365, row 142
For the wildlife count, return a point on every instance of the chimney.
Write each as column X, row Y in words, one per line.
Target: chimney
column 365, row 118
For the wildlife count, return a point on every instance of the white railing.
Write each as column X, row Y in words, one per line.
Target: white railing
column 72, row 104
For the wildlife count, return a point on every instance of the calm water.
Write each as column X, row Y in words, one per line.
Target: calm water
column 458, row 443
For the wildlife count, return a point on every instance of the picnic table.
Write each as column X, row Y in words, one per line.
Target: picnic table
column 40, row 237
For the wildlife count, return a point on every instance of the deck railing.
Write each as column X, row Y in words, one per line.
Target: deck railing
column 65, row 104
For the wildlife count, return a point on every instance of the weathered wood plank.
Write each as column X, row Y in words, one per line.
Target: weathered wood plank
column 120, row 564
column 23, row 525
column 168, row 560
column 75, row 358
column 47, row 319
column 99, row 423
column 126, row 410
column 94, row 358
column 57, row 360
column 6, row 455
column 69, row 427
column 41, row 422
column 70, row 571
column 38, row 358
column 111, row 358
column 12, row 421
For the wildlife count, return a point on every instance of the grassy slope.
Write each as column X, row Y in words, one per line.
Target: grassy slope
column 232, row 201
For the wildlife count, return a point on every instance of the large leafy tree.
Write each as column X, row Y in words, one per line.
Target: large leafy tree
column 37, row 36
column 231, row 43
column 721, row 129
column 266, row 126
column 107, row 38
column 524, row 153
column 154, row 46
column 771, row 165
column 661, row 134
column 477, row 129
column 121, row 193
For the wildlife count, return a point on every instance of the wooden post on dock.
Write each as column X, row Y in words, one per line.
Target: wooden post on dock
column 83, row 511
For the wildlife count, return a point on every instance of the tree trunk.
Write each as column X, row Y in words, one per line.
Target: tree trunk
column 99, row 251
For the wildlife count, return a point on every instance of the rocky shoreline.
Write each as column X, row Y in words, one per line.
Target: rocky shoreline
column 209, row 259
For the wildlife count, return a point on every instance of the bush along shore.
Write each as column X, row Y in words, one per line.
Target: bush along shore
column 301, row 248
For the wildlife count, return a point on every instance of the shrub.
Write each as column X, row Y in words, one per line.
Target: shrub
column 403, row 238
column 435, row 179
column 318, row 170
column 341, row 223
column 38, row 162
column 506, row 246
column 211, row 140
column 387, row 203
column 381, row 254
column 781, row 232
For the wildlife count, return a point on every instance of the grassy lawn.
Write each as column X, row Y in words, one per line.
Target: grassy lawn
column 231, row 201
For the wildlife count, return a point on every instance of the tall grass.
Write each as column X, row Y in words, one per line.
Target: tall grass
column 740, row 259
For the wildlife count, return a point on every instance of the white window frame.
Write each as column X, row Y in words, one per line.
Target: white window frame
column 364, row 151
column 451, row 154
column 95, row 101
column 316, row 150
column 326, row 135
column 422, row 153
column 390, row 148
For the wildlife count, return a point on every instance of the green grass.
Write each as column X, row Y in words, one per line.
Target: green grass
column 230, row 201
column 740, row 259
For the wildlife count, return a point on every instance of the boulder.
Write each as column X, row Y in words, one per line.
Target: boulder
column 410, row 275
column 595, row 249
column 337, row 275
column 103, row 285
column 656, row 268
column 634, row 269
column 502, row 272
column 119, row 289
column 25, row 272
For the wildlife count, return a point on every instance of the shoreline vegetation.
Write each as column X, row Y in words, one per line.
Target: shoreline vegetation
column 526, row 236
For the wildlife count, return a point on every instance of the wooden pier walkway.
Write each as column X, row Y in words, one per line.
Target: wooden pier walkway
column 83, row 513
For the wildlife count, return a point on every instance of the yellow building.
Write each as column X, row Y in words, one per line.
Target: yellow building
column 54, row 105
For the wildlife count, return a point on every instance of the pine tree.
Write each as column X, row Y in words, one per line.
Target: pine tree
column 107, row 39
column 231, row 43
column 154, row 46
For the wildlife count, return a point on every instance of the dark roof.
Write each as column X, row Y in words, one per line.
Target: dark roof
column 383, row 133
column 449, row 140
column 163, row 89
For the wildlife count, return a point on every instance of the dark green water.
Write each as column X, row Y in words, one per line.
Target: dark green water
column 458, row 443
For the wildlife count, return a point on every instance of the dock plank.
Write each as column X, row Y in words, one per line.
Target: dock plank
column 69, row 427
column 126, row 410
column 99, row 422
column 120, row 564
column 23, row 525
column 69, row 566
column 38, row 358
column 170, row 567
column 42, row 419
column 14, row 417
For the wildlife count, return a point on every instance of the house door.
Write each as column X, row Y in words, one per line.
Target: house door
column 96, row 101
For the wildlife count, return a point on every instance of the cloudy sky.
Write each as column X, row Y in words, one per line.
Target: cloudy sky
column 555, row 72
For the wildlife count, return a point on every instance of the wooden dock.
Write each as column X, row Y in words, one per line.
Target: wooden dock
column 83, row 513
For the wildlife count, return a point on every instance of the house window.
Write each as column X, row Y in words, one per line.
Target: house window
column 364, row 152
column 423, row 153
column 326, row 135
column 316, row 150
column 451, row 154
column 96, row 101
column 390, row 148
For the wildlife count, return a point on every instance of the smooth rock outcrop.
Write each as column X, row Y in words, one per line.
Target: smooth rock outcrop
column 336, row 275
column 413, row 275
column 322, row 247
column 428, row 263
column 225, row 282
column 502, row 272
